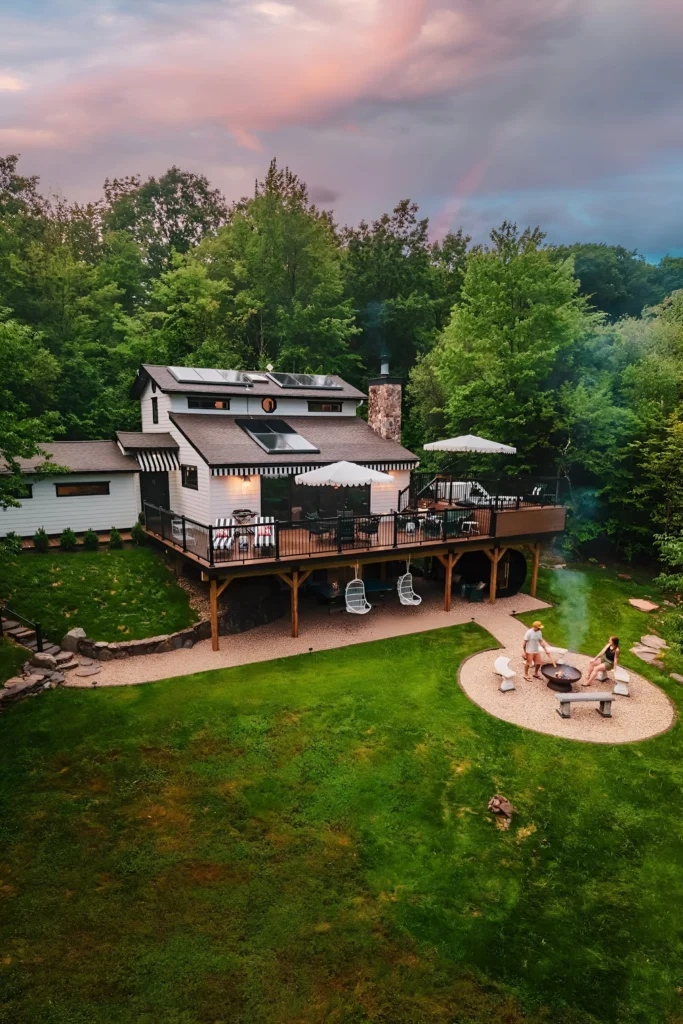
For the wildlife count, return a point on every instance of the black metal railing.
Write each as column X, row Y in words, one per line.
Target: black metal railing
column 246, row 542
column 496, row 492
column 9, row 613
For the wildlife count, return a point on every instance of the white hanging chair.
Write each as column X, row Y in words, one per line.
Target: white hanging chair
column 406, row 594
column 356, row 601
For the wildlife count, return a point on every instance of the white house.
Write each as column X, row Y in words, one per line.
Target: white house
column 101, row 489
column 213, row 441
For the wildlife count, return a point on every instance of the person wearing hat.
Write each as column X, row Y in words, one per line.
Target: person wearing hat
column 531, row 649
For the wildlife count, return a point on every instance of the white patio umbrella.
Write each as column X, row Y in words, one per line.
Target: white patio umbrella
column 470, row 443
column 343, row 474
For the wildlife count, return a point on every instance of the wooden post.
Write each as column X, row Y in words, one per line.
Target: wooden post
column 536, row 548
column 449, row 582
column 493, row 581
column 213, row 597
column 295, row 602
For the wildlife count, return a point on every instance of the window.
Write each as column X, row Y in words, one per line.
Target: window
column 154, row 387
column 276, row 437
column 23, row 493
column 155, row 410
column 188, row 476
column 207, row 403
column 82, row 490
column 324, row 407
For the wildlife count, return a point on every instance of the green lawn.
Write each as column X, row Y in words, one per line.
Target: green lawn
column 113, row 595
column 307, row 840
column 12, row 657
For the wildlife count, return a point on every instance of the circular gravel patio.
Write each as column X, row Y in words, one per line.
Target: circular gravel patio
column 647, row 712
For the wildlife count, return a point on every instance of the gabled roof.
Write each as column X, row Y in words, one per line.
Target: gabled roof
column 221, row 442
column 165, row 381
column 82, row 457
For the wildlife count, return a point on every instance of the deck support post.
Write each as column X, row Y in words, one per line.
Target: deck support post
column 215, row 591
column 536, row 550
column 494, row 556
column 294, row 582
column 448, row 561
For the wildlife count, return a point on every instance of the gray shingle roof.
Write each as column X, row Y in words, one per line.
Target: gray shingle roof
column 165, row 381
column 220, row 441
column 83, row 457
column 136, row 439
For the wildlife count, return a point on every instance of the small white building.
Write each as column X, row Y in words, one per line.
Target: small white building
column 100, row 489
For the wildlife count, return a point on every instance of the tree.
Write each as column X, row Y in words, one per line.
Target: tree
column 402, row 287
column 616, row 281
column 167, row 215
column 508, row 349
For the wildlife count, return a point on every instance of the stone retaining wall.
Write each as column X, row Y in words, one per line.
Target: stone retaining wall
column 76, row 641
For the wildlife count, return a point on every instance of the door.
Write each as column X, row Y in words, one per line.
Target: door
column 154, row 489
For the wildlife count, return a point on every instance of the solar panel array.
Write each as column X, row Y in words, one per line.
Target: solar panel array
column 194, row 375
column 197, row 375
column 304, row 380
column 276, row 436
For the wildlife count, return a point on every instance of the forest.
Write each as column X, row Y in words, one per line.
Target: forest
column 574, row 354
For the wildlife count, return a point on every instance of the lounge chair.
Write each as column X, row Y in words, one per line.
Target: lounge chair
column 264, row 531
column 224, row 533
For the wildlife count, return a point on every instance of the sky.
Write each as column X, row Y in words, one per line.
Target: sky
column 563, row 113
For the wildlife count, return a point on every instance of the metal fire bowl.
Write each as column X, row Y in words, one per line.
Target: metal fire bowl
column 561, row 678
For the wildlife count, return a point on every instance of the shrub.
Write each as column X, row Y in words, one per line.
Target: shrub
column 115, row 540
column 90, row 540
column 137, row 533
column 67, row 540
column 11, row 544
column 41, row 541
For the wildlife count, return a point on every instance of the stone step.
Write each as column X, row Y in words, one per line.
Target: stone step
column 51, row 649
column 8, row 624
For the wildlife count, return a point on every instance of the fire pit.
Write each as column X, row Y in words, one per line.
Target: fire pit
column 560, row 678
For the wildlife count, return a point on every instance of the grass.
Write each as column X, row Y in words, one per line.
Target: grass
column 113, row 595
column 12, row 657
column 307, row 840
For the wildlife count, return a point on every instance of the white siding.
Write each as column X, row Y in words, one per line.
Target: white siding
column 246, row 405
column 231, row 492
column 185, row 501
column 163, row 405
column 384, row 497
column 119, row 508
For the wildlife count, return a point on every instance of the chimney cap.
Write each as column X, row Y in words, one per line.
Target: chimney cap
column 384, row 379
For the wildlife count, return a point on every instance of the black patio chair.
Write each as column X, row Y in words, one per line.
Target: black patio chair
column 345, row 527
column 317, row 526
column 368, row 528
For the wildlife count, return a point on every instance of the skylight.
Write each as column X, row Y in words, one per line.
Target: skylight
column 304, row 380
column 275, row 436
column 196, row 375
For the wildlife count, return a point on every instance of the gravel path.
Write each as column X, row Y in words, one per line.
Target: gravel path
column 318, row 631
column 646, row 712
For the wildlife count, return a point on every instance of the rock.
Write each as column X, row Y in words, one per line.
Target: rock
column 187, row 644
column 202, row 630
column 57, row 679
column 165, row 646
column 501, row 805
column 72, row 638
column 654, row 641
column 560, row 565
column 623, row 576
column 44, row 661
column 9, row 692
column 642, row 605
column 47, row 686
column 674, row 675
column 644, row 653
column 87, row 670
column 669, row 604
column 14, row 681
column 85, row 661
column 64, row 657
column 67, row 666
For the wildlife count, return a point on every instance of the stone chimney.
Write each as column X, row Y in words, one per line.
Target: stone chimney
column 384, row 403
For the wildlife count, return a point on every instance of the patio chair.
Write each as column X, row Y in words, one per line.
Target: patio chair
column 356, row 601
column 317, row 526
column 369, row 528
column 406, row 594
column 264, row 531
column 431, row 526
column 470, row 527
column 345, row 527
column 224, row 534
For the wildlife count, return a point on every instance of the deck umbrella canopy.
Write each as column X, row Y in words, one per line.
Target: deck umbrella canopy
column 470, row 443
column 343, row 474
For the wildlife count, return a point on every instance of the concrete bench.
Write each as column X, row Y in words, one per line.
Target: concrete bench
column 501, row 667
column 621, row 681
column 567, row 699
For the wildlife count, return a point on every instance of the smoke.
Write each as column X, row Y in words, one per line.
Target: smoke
column 571, row 590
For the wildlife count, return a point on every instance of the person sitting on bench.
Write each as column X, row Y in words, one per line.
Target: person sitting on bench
column 531, row 650
column 606, row 661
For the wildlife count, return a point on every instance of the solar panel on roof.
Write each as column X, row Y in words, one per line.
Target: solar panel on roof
column 276, row 436
column 304, row 380
column 199, row 375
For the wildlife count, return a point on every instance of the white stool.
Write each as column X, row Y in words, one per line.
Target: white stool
column 621, row 681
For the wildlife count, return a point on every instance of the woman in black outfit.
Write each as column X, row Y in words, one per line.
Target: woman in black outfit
column 606, row 661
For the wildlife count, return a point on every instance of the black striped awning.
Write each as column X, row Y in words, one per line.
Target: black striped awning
column 155, row 460
column 383, row 467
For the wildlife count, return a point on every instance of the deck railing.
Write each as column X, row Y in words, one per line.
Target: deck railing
column 288, row 539
column 496, row 492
